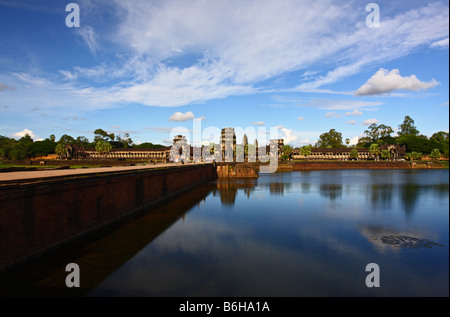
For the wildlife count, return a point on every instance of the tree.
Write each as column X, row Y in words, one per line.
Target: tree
column 103, row 147
column 2, row 154
column 374, row 150
column 52, row 138
column 435, row 154
column 7, row 144
column 305, row 150
column 66, row 140
column 347, row 141
column 125, row 140
column 287, row 150
column 416, row 144
column 82, row 141
column 385, row 154
column 416, row 155
column 43, row 148
column 407, row 127
column 102, row 135
column 364, row 142
column 354, row 154
column 331, row 139
column 22, row 148
column 376, row 132
column 60, row 150
column 440, row 136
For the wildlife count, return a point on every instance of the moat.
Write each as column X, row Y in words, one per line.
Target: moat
column 293, row 234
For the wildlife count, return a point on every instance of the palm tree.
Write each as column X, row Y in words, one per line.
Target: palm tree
column 103, row 147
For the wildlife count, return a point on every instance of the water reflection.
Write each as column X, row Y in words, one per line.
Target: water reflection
column 252, row 237
column 99, row 255
column 227, row 189
column 331, row 191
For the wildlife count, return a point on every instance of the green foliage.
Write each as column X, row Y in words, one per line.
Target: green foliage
column 374, row 150
column 418, row 144
column 364, row 142
column 60, row 149
column 82, row 141
column 125, row 141
column 103, row 147
column 435, row 154
column 354, row 154
column 2, row 154
column 407, row 127
column 43, row 148
column 7, row 144
column 331, row 139
column 148, row 145
column 22, row 148
column 66, row 140
column 305, row 150
column 385, row 154
column 376, row 132
column 416, row 156
column 286, row 154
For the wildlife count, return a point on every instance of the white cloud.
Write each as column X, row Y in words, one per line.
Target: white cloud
column 370, row 121
column 301, row 119
column 332, row 104
column 333, row 114
column 386, row 81
column 239, row 44
column 440, row 44
column 229, row 47
column 354, row 140
column 181, row 117
column 355, row 112
column 23, row 132
column 259, row 123
column 89, row 36
column 352, row 122
column 287, row 134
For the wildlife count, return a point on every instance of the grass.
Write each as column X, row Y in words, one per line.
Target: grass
column 25, row 166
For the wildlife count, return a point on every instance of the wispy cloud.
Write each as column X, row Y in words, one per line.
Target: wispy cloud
column 440, row 44
column 229, row 48
column 332, row 104
column 259, row 123
column 355, row 112
column 333, row 114
column 89, row 37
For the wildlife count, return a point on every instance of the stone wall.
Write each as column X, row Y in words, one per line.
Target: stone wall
column 232, row 170
column 38, row 217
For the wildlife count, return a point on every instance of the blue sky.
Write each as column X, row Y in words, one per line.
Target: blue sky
column 145, row 67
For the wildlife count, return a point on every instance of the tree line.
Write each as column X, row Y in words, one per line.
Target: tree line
column 417, row 145
column 26, row 147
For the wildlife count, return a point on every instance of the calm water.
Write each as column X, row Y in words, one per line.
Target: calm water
column 284, row 234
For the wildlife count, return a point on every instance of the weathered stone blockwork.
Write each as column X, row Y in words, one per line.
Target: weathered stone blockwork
column 39, row 216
